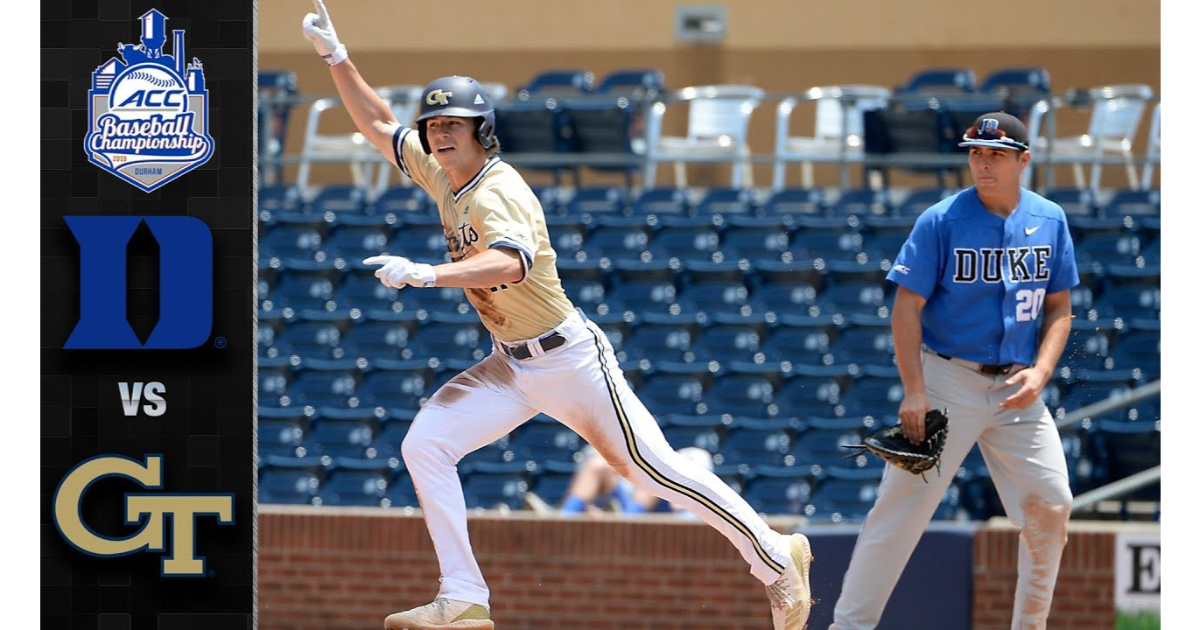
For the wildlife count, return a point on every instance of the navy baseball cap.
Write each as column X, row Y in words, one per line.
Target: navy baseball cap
column 999, row 130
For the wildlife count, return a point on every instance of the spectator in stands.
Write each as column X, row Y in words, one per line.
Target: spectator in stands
column 597, row 487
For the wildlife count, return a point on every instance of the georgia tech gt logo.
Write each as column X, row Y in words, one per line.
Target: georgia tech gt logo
column 439, row 97
column 182, row 508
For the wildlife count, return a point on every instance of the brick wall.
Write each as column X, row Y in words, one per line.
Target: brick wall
column 1083, row 596
column 331, row 569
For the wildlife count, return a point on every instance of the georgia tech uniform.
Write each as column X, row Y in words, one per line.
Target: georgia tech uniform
column 547, row 358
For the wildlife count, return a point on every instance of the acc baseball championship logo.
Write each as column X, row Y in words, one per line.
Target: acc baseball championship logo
column 183, row 509
column 149, row 111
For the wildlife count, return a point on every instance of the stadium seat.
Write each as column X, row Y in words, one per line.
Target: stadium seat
column 289, row 486
column 563, row 81
column 1088, row 346
column 280, row 430
column 752, row 240
column 356, row 242
column 401, row 493
column 545, row 441
column 838, row 131
column 597, row 200
column 324, row 383
column 665, row 393
column 403, row 201
column 743, row 394
column 683, row 430
column 792, row 202
column 757, row 442
column 346, row 486
column 727, row 202
column 844, row 500
column 728, row 342
column 809, row 395
column 875, row 396
column 685, row 243
column 444, row 340
column 779, row 490
column 290, row 241
column 338, row 199
column 1134, row 203
column 336, row 437
column 403, row 384
column 717, row 123
column 1139, row 347
column 1124, row 448
column 800, row 342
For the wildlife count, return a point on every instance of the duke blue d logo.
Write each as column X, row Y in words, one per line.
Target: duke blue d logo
column 149, row 508
column 149, row 109
column 186, row 279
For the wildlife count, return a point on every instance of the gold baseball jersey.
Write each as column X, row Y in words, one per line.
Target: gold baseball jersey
column 495, row 209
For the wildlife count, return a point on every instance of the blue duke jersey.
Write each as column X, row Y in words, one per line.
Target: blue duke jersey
column 495, row 209
column 984, row 278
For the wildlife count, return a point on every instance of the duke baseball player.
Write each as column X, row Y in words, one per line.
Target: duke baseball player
column 981, row 315
column 546, row 357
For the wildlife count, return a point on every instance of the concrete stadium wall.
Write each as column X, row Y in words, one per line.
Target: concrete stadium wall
column 779, row 45
column 343, row 568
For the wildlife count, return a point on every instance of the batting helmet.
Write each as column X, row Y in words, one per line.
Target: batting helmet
column 458, row 96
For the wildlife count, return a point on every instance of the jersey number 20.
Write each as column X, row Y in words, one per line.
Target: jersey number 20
column 1029, row 304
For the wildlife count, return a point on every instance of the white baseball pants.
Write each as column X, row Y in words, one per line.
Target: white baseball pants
column 581, row 385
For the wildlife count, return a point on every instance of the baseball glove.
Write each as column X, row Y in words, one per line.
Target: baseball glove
column 890, row 444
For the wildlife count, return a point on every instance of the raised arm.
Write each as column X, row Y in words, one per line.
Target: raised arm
column 369, row 111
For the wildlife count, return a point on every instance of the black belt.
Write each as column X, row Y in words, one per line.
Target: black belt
column 982, row 368
column 522, row 351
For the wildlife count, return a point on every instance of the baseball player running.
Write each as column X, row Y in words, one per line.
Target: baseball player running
column 546, row 356
column 981, row 315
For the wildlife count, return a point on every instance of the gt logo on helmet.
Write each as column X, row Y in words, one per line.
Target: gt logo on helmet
column 438, row 97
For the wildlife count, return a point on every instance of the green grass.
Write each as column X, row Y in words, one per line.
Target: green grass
column 1143, row 620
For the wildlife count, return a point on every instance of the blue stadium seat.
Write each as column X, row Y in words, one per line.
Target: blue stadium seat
column 828, row 240
column 867, row 340
column 861, row 202
column 401, row 492
column 1021, row 88
column 277, row 198
column 850, row 298
column 385, row 445
column 875, row 396
column 1131, row 292
column 919, row 200
column 355, row 487
column 842, row 500
column 598, row 200
column 763, row 238
column 794, row 202
column 779, row 490
column 289, row 486
column 378, row 339
column 632, row 81
column 290, row 241
column 666, row 340
column 940, row 80
column 809, row 395
column 280, row 430
column 607, row 127
column 315, row 335
column 451, row 340
column 788, row 288
column 743, row 394
column 340, row 438
column 565, row 81
column 422, row 243
column 1135, row 203
column 616, row 243
column 538, row 125
column 683, row 430
column 712, row 297
column 1106, row 247
column 1093, row 387
column 757, row 442
column 821, row 444
column 661, row 201
column 403, row 201
column 356, row 242
column 552, row 487
column 1124, row 448
column 306, row 284
column 490, row 490
column 402, row 384
column 359, row 288
column 692, row 243
column 728, row 342
column 1089, row 345
column 643, row 288
column 338, row 199
column 672, row 393
column 545, row 441
column 324, row 383
column 1139, row 347
column 800, row 343
column 274, row 377
column 727, row 202
column 1075, row 202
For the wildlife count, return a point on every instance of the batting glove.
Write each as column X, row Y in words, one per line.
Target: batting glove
column 318, row 29
column 398, row 272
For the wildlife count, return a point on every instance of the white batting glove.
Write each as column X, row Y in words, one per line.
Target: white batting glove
column 398, row 272
column 318, row 29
